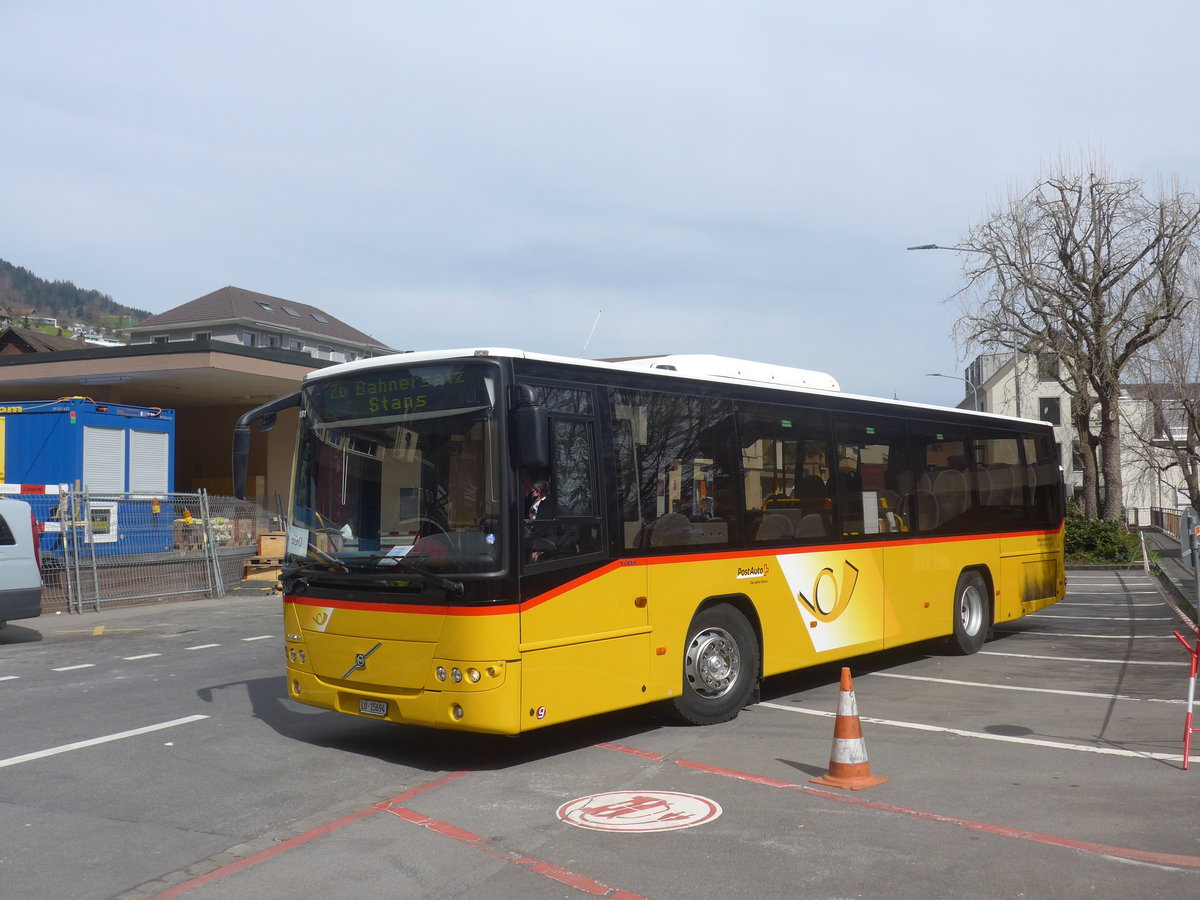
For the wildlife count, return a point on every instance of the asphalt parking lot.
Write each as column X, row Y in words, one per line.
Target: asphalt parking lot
column 1050, row 764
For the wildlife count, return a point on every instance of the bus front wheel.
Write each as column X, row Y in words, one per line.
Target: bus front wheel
column 971, row 614
column 720, row 667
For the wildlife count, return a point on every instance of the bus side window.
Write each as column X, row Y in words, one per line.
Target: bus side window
column 674, row 460
column 573, row 525
column 873, row 481
column 946, row 495
column 785, row 470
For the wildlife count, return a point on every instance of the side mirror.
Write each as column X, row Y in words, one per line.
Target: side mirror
column 532, row 430
column 265, row 415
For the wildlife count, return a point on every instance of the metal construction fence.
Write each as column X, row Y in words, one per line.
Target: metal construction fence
column 119, row 549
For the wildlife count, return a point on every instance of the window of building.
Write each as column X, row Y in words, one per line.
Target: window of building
column 320, row 318
column 265, row 305
column 291, row 312
column 161, row 338
column 1049, row 410
column 202, row 335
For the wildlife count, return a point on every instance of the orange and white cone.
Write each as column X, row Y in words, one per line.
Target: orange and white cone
column 848, row 766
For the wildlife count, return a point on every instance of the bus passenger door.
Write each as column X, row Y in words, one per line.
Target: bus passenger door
column 584, row 631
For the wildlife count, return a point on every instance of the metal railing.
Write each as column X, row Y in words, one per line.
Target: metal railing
column 110, row 549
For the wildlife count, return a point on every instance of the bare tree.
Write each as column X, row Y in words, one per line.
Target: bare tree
column 1165, row 425
column 1089, row 268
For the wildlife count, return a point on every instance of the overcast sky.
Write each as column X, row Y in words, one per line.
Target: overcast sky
column 737, row 177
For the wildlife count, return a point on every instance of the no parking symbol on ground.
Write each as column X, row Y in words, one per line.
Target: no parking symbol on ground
column 639, row 811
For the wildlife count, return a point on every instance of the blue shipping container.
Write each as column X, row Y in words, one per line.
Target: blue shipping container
column 103, row 448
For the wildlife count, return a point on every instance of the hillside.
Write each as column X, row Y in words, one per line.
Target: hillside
column 20, row 290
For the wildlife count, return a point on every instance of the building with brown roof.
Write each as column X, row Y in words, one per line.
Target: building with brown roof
column 14, row 339
column 250, row 319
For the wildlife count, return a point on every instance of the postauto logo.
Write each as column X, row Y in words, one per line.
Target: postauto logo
column 754, row 571
column 830, row 595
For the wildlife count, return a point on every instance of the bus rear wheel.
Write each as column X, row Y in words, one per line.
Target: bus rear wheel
column 972, row 614
column 720, row 667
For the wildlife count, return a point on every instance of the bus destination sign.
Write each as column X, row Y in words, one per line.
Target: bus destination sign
column 400, row 391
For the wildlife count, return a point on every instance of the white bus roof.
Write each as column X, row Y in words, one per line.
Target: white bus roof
column 704, row 367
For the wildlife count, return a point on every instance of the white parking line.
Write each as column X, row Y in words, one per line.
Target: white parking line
column 9, row 677
column 1116, row 593
column 1103, row 618
column 79, row 745
column 983, row 736
column 1105, row 603
column 1099, row 637
column 1110, row 661
column 202, row 647
column 1031, row 690
column 260, row 637
column 73, row 668
column 140, row 656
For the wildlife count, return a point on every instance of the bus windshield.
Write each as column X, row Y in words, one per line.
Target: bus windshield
column 397, row 469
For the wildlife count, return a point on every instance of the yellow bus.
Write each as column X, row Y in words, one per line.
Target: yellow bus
column 493, row 540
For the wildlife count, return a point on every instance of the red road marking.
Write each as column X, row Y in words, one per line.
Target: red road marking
column 563, row 876
column 297, row 841
column 1177, row 860
column 633, row 751
column 395, row 806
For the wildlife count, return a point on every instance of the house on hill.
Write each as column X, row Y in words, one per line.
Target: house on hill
column 250, row 319
column 14, row 339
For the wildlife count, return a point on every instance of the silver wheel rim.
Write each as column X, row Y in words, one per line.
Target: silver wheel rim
column 970, row 609
column 712, row 663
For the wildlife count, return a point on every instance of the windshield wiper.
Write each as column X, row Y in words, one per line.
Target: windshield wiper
column 302, row 575
column 454, row 587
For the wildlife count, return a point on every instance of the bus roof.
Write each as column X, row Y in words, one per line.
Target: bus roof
column 703, row 367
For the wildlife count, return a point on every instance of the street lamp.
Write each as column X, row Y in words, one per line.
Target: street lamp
column 1016, row 352
column 964, row 379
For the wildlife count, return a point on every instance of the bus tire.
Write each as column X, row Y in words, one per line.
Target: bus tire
column 720, row 667
column 972, row 614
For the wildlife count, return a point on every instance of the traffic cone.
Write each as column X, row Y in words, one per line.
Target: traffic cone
column 848, row 766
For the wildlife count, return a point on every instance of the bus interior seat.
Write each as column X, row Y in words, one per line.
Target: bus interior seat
column 927, row 510
column 672, row 530
column 811, row 487
column 812, row 525
column 774, row 527
column 953, row 497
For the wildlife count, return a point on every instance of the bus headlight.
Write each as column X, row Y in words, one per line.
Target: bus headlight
column 441, row 673
column 456, row 675
column 473, row 676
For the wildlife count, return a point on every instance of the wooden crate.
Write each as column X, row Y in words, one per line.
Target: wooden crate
column 272, row 543
column 260, row 571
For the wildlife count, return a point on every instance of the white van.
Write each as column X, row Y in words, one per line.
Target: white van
column 20, row 571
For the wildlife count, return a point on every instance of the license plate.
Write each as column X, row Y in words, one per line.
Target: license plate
column 372, row 707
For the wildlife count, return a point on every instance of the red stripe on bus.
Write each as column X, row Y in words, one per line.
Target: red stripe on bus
column 674, row 559
column 505, row 609
column 717, row 556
